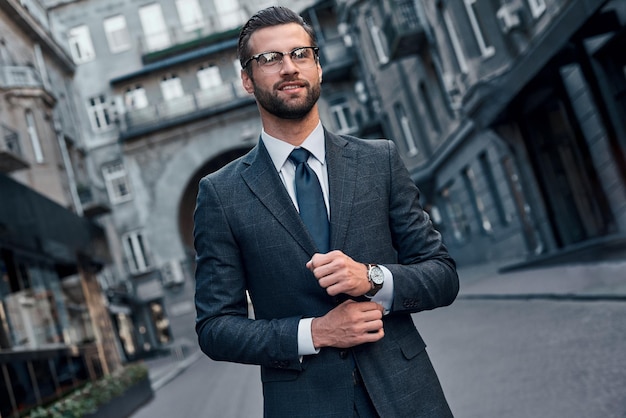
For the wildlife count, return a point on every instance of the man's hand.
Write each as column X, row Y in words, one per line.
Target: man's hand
column 349, row 324
column 338, row 273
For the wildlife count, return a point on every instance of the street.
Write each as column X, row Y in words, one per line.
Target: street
column 516, row 352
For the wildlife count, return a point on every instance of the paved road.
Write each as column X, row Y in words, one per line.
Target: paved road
column 530, row 358
column 208, row 389
column 549, row 343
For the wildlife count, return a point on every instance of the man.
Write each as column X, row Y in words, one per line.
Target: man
column 332, row 330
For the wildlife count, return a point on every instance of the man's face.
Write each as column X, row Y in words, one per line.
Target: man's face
column 291, row 92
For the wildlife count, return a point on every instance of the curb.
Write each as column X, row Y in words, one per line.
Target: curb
column 176, row 370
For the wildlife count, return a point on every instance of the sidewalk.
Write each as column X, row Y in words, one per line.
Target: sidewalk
column 584, row 281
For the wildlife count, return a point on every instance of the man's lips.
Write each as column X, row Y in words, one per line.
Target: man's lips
column 291, row 86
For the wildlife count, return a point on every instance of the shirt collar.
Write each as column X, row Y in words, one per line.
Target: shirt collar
column 279, row 150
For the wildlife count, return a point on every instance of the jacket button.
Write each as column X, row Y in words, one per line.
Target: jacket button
column 343, row 354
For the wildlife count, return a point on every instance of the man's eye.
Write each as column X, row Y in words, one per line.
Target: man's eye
column 269, row 58
column 299, row 54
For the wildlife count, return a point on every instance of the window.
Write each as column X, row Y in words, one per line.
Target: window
column 136, row 252
column 537, row 7
column 135, row 98
column 155, row 32
column 342, row 116
column 117, row 183
column 229, row 13
column 98, row 110
column 477, row 203
column 487, row 171
column 486, row 49
column 34, row 137
column 454, row 211
column 171, row 87
column 378, row 40
column 407, row 132
column 190, row 14
column 209, row 76
column 80, row 44
column 117, row 33
column 455, row 42
column 430, row 109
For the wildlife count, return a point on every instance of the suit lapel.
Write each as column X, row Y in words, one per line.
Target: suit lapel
column 342, row 171
column 263, row 180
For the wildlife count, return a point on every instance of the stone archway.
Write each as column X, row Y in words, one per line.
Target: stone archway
column 188, row 200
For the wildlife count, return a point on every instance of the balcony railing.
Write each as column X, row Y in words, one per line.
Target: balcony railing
column 182, row 108
column 19, row 77
column 197, row 32
column 336, row 59
column 11, row 158
column 95, row 201
column 404, row 29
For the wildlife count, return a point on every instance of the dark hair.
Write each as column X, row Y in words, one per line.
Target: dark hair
column 271, row 16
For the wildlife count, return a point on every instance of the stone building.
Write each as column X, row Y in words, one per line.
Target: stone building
column 55, row 331
column 159, row 104
column 510, row 115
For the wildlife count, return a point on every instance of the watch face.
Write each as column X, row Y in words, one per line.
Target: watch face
column 376, row 274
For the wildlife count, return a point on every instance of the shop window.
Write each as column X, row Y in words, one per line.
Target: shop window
column 487, row 171
column 161, row 323
column 477, row 203
column 457, row 220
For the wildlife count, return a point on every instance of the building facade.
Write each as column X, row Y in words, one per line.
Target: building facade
column 55, row 332
column 510, row 117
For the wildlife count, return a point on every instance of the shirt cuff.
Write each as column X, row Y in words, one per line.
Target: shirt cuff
column 305, row 338
column 385, row 295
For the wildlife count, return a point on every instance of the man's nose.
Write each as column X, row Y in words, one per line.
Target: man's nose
column 288, row 66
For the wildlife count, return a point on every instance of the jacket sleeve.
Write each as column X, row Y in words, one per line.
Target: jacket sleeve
column 225, row 331
column 425, row 276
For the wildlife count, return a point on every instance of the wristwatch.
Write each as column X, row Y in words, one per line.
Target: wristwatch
column 376, row 278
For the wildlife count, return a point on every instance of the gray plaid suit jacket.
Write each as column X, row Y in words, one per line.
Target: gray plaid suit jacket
column 249, row 236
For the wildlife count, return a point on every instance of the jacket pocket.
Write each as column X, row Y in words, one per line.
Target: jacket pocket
column 411, row 344
column 270, row 374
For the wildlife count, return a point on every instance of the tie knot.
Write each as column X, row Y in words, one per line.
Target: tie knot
column 299, row 155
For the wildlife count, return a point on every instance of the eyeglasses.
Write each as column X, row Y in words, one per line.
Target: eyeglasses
column 272, row 61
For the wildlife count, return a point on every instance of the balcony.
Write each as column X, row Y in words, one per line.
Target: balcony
column 93, row 200
column 11, row 158
column 404, row 29
column 336, row 59
column 183, row 109
column 175, row 41
column 19, row 77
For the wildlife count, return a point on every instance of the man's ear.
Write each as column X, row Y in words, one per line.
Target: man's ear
column 248, row 85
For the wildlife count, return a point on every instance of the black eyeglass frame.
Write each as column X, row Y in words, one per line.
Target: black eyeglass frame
column 259, row 55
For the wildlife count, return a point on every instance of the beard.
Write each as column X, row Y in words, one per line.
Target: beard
column 286, row 110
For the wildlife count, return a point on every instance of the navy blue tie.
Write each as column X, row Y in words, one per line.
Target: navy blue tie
column 311, row 200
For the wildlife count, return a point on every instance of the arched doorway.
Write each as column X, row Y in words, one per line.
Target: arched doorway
column 188, row 202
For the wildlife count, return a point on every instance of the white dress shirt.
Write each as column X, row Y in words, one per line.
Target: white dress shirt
column 279, row 153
